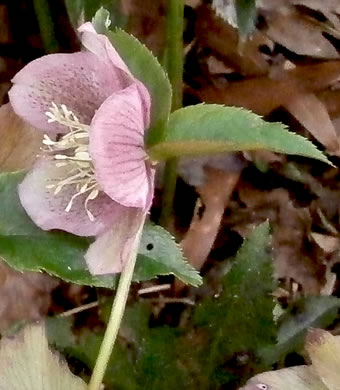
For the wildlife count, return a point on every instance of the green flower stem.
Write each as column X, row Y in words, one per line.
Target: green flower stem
column 175, row 25
column 174, row 65
column 46, row 25
column 115, row 320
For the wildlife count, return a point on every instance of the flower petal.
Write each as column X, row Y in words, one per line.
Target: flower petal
column 47, row 210
column 112, row 250
column 117, row 148
column 80, row 81
column 100, row 45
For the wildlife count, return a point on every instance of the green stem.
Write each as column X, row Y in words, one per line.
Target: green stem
column 175, row 25
column 46, row 25
column 174, row 65
column 117, row 312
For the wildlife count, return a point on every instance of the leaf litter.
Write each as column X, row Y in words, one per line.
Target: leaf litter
column 288, row 70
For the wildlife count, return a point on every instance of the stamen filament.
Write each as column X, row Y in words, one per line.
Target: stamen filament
column 72, row 148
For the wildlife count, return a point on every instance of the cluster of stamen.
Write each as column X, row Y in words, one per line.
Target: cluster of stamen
column 73, row 147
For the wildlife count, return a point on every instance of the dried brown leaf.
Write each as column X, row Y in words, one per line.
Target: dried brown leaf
column 20, row 142
column 327, row 243
column 24, row 296
column 263, row 94
column 313, row 115
column 300, row 35
column 213, row 32
column 291, row 225
column 215, row 194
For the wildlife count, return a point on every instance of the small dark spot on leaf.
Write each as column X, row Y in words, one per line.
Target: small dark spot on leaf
column 149, row 247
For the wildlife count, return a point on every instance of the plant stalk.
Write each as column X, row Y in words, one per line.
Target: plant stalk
column 117, row 312
column 174, row 65
column 46, row 26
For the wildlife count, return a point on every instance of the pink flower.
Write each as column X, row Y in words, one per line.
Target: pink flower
column 93, row 177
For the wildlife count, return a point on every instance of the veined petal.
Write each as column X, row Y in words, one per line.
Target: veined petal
column 80, row 81
column 47, row 209
column 117, row 148
column 100, row 45
column 112, row 250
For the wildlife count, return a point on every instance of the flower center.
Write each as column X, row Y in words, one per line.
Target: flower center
column 72, row 148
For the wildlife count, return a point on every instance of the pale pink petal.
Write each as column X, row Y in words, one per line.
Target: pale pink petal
column 47, row 210
column 100, row 45
column 88, row 27
column 80, row 81
column 112, row 250
column 117, row 148
column 146, row 103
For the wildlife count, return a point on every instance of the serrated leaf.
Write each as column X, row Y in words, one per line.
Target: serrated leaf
column 148, row 358
column 80, row 10
column 25, row 247
column 318, row 311
column 211, row 128
column 27, row 363
column 101, row 20
column 241, row 319
column 160, row 255
column 146, row 68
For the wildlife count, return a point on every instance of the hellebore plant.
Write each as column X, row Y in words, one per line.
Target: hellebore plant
column 93, row 177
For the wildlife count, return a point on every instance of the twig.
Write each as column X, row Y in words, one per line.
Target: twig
column 78, row 309
column 152, row 289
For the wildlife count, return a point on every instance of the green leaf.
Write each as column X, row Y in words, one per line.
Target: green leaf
column 211, row 128
column 160, row 255
column 240, row 14
column 144, row 358
column 79, row 10
column 101, row 20
column 246, row 16
column 27, row 363
column 316, row 312
column 241, row 319
column 85, row 347
column 146, row 68
column 25, row 247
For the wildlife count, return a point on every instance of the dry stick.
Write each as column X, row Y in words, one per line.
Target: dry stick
column 215, row 194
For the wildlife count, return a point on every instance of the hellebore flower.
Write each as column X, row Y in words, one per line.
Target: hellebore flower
column 93, row 177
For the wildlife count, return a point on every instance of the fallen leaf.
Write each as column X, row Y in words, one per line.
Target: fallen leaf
column 24, row 296
column 263, row 95
column 327, row 243
column 20, row 142
column 324, row 351
column 299, row 34
column 213, row 32
column 312, row 114
column 215, row 194
column 297, row 378
column 27, row 363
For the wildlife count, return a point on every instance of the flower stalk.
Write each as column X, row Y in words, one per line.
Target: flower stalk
column 117, row 312
column 174, row 65
column 46, row 26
